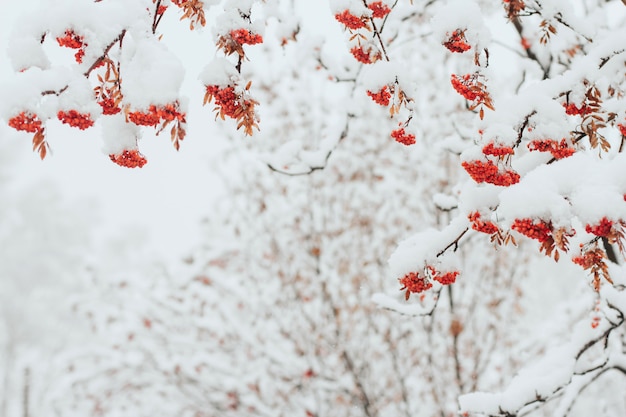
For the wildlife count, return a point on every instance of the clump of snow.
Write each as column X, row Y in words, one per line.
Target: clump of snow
column 538, row 380
column 27, row 52
column 23, row 92
column 445, row 201
column 79, row 96
column 464, row 15
column 422, row 249
column 152, row 74
column 355, row 7
column 117, row 135
column 231, row 20
column 220, row 72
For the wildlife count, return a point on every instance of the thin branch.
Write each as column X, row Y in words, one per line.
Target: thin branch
column 312, row 169
column 454, row 243
column 97, row 62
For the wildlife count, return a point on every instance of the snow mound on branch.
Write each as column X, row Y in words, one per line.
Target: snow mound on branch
column 540, row 380
column 98, row 23
column 427, row 248
column 220, row 72
column 22, row 92
column 152, row 74
column 580, row 185
column 117, row 135
column 464, row 15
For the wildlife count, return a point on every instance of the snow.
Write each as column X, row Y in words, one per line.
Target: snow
column 421, row 249
column 152, row 74
column 117, row 135
column 219, row 71
column 289, row 286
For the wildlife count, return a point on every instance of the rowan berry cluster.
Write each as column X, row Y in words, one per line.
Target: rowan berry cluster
column 487, row 172
column 226, row 99
column 493, row 150
column 413, row 282
column 108, row 106
column 26, row 122
column 622, row 129
column 365, row 56
column 590, row 258
column 574, row 110
column 73, row 41
column 379, row 9
column 75, row 119
column 245, row 37
column 161, row 10
column 538, row 230
column 559, row 150
column 595, row 322
column 149, row 118
column 602, row 229
column 466, row 87
column 446, row 278
column 482, row 226
column 382, row 97
column 457, row 42
column 351, row 21
column 155, row 115
column 402, row 137
column 129, row 159
column 236, row 105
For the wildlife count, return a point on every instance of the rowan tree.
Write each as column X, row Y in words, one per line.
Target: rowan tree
column 527, row 95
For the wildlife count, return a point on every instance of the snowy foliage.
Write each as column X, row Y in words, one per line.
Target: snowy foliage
column 466, row 123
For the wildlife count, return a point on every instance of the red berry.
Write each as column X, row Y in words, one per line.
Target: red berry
column 402, row 137
column 129, row 159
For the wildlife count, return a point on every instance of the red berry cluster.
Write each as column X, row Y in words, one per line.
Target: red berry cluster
column 382, row 97
column 413, row 282
column 491, row 149
column 26, row 122
column 489, row 173
column 457, row 42
column 363, row 56
column 226, row 99
column 108, row 106
column 379, row 9
column 75, row 119
column 404, row 138
column 574, row 110
column 351, row 21
column 149, row 118
column 161, row 10
column 445, row 278
column 73, row 41
column 482, row 226
column 559, row 150
column 590, row 258
column 595, row 322
column 538, row 230
column 602, row 229
column 622, row 129
column 245, row 37
column 155, row 114
column 129, row 159
column 467, row 87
